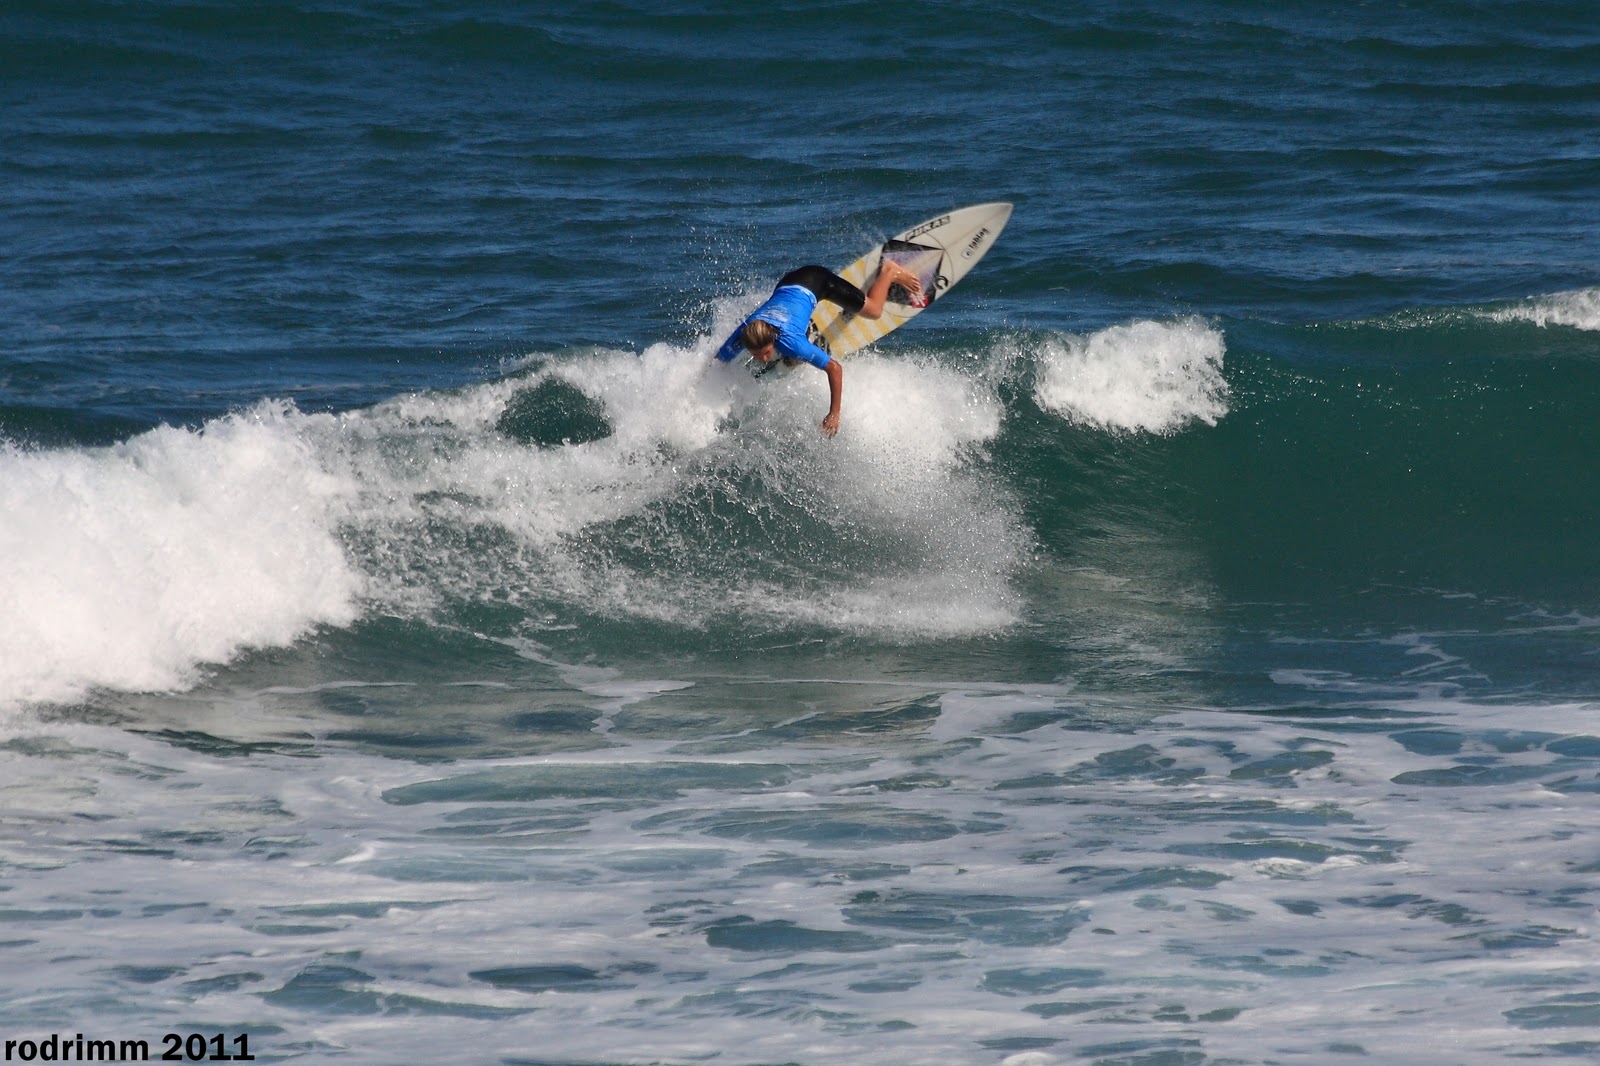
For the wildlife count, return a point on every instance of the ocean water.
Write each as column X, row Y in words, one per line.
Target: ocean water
column 414, row 649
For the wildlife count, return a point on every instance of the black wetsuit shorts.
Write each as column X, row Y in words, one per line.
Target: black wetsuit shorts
column 827, row 286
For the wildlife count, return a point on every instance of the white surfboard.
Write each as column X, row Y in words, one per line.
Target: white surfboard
column 939, row 251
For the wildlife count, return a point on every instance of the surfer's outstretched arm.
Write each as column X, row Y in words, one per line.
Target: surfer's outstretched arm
column 888, row 274
column 835, row 372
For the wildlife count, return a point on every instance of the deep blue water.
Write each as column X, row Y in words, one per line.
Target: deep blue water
column 417, row 649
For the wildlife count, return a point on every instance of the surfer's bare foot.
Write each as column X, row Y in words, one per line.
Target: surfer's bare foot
column 903, row 277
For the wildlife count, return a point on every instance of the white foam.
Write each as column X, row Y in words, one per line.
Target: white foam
column 915, row 418
column 684, row 432
column 903, row 470
column 127, row 566
column 135, row 565
column 438, row 452
column 903, row 607
column 966, row 890
column 1144, row 377
column 1579, row 308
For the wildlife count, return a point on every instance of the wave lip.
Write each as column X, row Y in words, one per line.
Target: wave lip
column 127, row 567
column 1578, row 308
column 1143, row 377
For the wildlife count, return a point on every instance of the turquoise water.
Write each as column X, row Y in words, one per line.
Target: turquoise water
column 419, row 651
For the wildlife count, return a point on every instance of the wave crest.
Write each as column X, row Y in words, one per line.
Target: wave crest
column 134, row 563
column 1578, row 308
column 1143, row 377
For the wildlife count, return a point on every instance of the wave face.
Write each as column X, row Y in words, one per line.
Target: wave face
column 1425, row 449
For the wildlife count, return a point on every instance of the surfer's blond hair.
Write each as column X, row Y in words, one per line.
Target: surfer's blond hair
column 757, row 334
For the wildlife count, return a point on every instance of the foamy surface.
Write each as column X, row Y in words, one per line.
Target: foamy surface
column 757, row 869
column 1143, row 377
column 145, row 560
column 1578, row 309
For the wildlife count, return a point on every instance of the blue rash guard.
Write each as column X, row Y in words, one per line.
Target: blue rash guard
column 789, row 309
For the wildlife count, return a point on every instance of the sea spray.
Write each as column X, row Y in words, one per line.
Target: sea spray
column 707, row 497
column 1578, row 309
column 1144, row 377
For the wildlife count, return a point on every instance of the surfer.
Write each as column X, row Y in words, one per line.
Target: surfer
column 777, row 329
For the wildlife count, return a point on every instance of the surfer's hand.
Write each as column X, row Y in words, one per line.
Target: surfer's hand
column 830, row 425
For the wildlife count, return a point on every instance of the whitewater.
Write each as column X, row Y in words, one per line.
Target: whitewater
column 183, row 547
